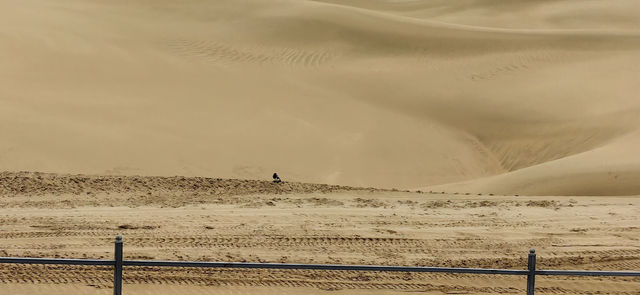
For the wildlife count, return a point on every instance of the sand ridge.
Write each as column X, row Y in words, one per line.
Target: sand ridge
column 38, row 184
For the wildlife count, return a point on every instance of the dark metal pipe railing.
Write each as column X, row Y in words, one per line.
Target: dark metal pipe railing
column 118, row 263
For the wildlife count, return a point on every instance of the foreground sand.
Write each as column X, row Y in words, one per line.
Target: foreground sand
column 223, row 220
column 378, row 93
column 22, row 289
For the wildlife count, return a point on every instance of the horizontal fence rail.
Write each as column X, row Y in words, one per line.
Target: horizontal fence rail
column 20, row 260
column 587, row 273
column 325, row 267
column 118, row 264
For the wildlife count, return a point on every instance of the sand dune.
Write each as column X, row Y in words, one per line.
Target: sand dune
column 609, row 170
column 527, row 14
column 364, row 93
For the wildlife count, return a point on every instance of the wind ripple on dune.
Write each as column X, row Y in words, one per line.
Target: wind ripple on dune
column 226, row 54
column 520, row 62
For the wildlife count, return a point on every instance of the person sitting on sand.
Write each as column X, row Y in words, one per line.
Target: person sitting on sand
column 276, row 178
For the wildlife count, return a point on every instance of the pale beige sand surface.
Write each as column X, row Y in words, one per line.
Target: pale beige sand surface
column 519, row 121
column 593, row 172
column 378, row 93
column 221, row 220
column 38, row 289
column 520, row 14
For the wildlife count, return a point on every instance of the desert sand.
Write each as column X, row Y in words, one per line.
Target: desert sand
column 199, row 219
column 408, row 132
column 405, row 94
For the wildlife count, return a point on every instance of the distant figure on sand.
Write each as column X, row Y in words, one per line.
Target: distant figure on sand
column 276, row 178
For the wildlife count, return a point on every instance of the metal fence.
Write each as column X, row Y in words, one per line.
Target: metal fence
column 118, row 263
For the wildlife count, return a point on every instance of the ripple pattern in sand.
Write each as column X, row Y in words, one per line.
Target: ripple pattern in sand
column 226, row 54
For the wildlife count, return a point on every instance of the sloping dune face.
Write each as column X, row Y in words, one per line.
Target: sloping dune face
column 368, row 93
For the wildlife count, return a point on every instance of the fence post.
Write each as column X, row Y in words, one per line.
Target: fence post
column 117, row 270
column 531, row 277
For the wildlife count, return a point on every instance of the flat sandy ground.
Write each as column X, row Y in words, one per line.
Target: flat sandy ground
column 222, row 220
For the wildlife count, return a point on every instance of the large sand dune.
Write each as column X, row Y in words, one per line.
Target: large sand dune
column 540, row 96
